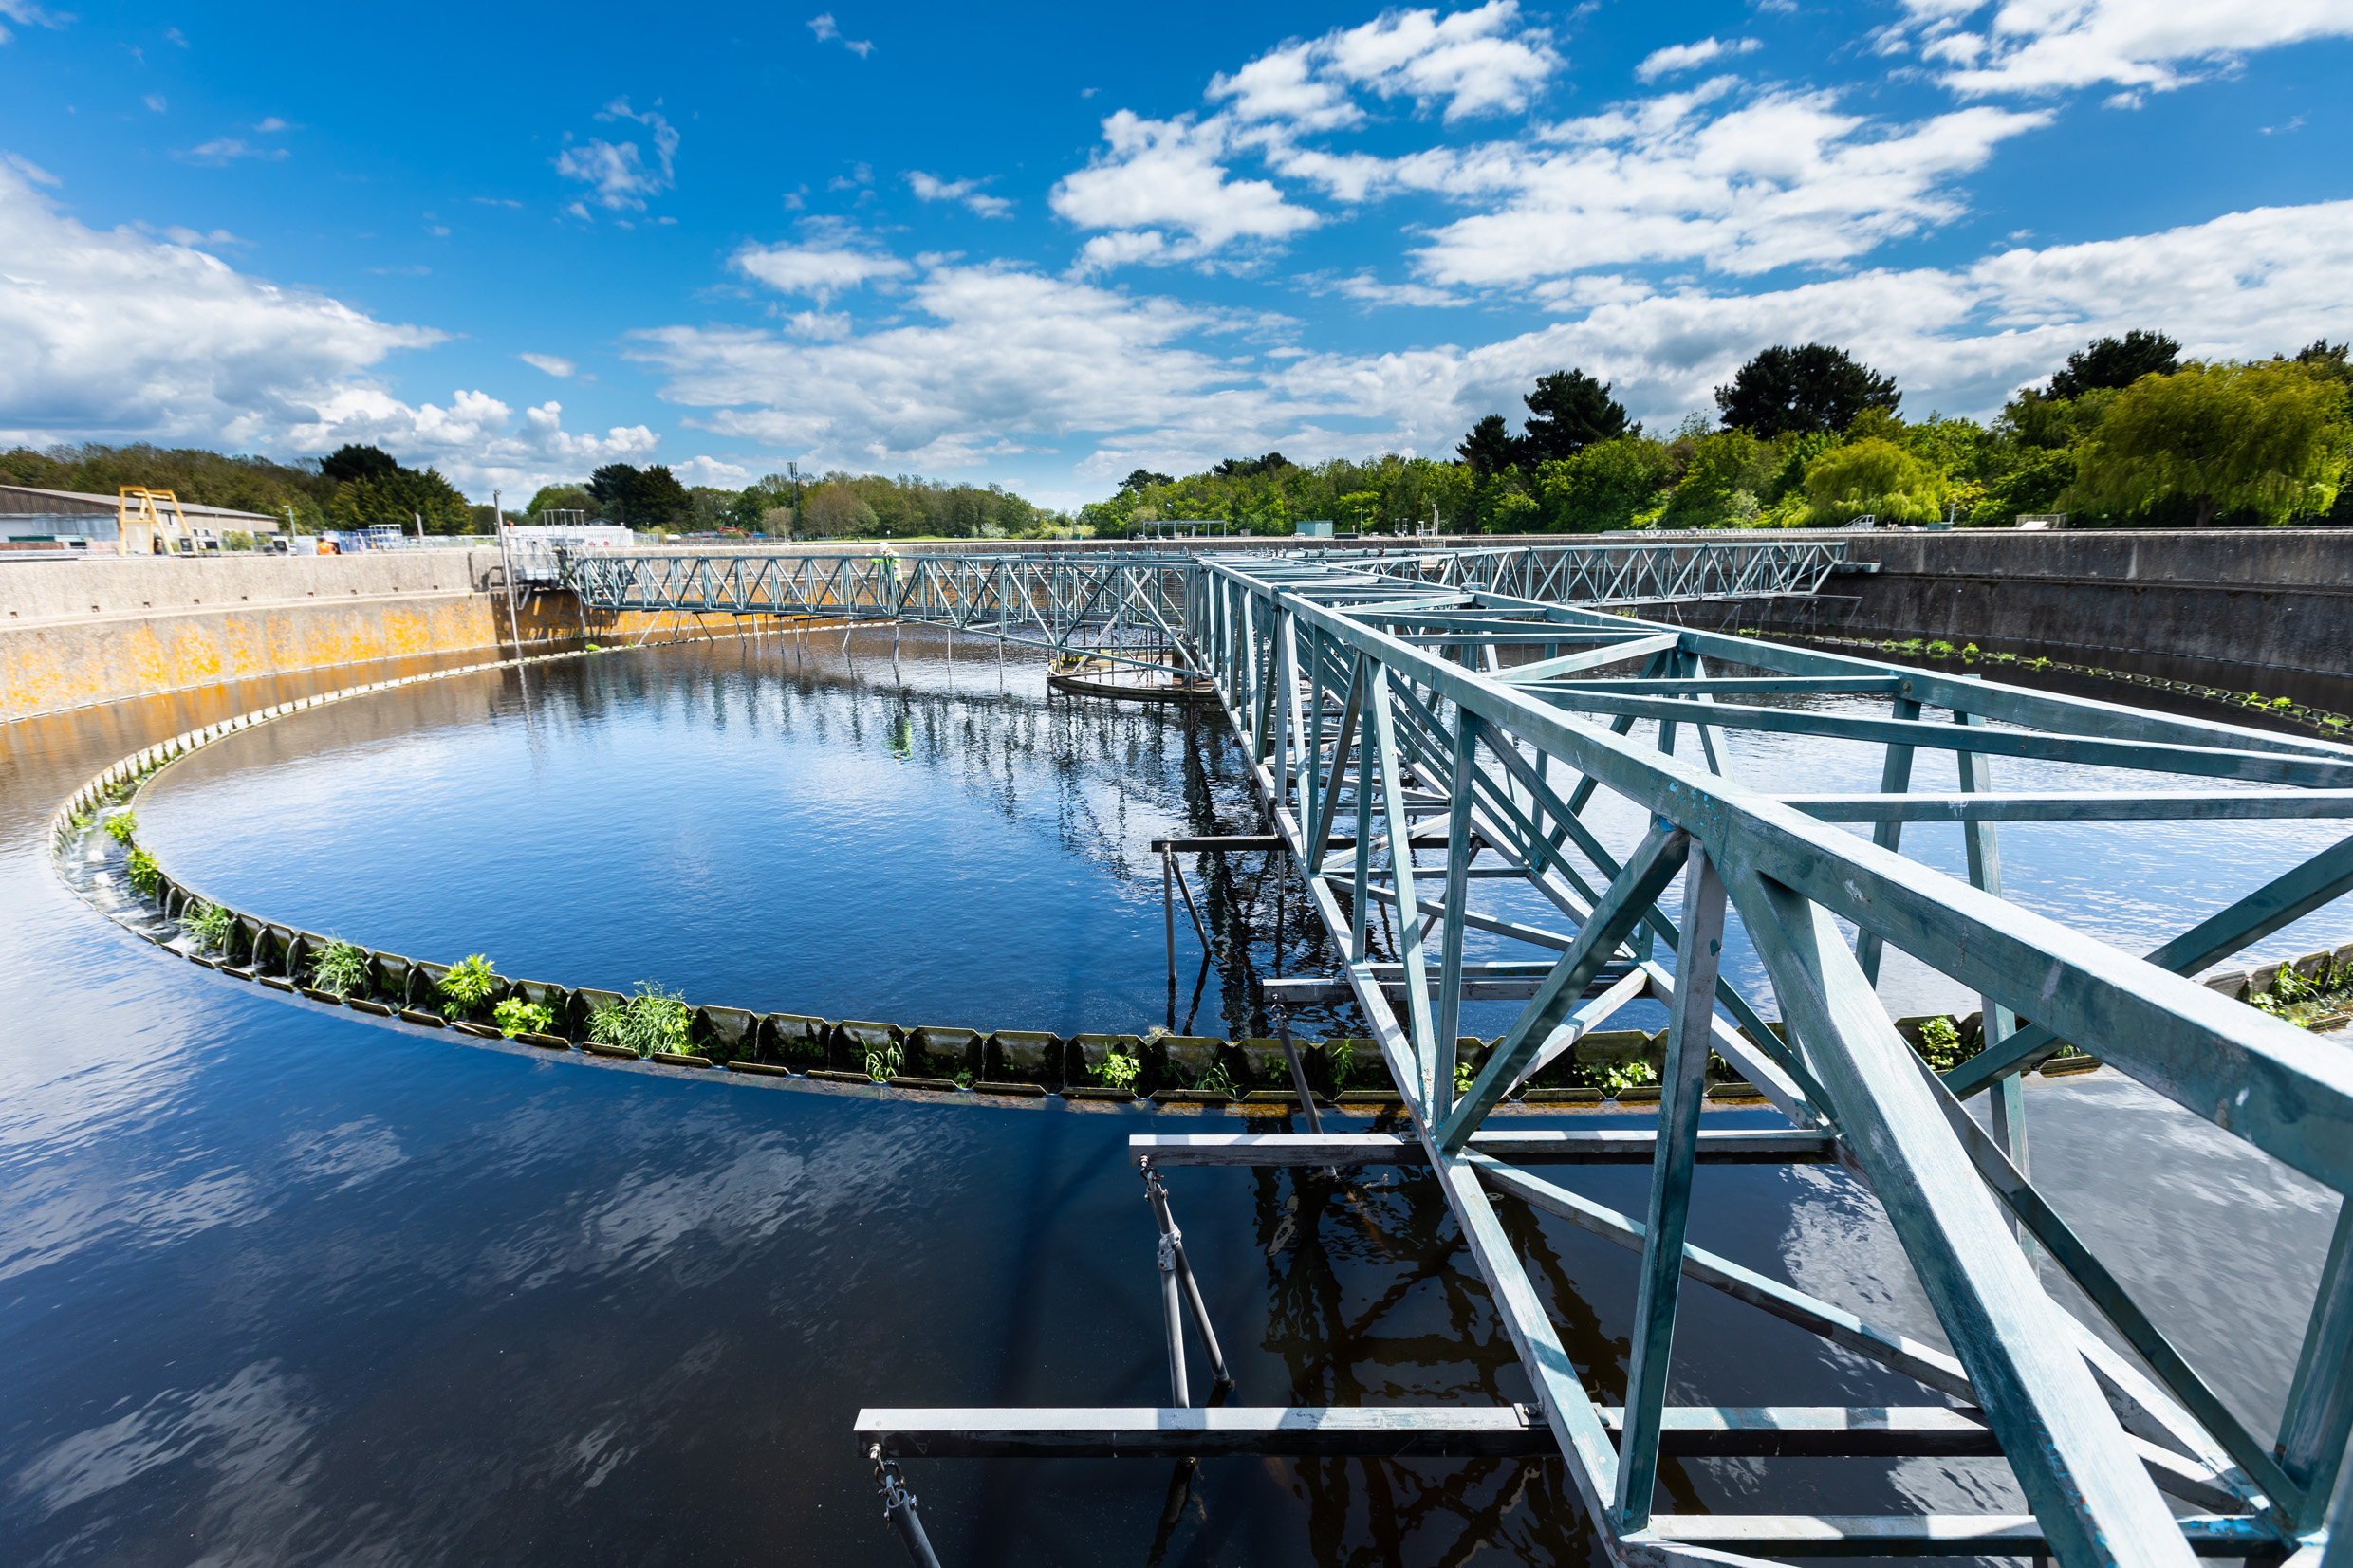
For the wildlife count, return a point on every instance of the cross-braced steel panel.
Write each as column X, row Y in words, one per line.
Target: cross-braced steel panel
column 1381, row 709
column 1116, row 604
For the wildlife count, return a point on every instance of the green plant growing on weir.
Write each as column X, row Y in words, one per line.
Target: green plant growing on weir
column 654, row 1019
column 1940, row 1044
column 516, row 1016
column 884, row 1062
column 1217, row 1080
column 467, row 986
column 1612, row 1077
column 144, row 874
column 121, row 825
column 340, row 969
column 1464, row 1078
column 208, row 924
column 1118, row 1070
column 1342, row 1055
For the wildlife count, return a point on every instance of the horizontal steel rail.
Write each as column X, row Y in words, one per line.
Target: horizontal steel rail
column 1104, row 601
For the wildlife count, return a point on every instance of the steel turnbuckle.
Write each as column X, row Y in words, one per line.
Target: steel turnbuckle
column 899, row 1510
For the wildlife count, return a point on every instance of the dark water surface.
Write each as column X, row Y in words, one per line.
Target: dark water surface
column 279, row 1286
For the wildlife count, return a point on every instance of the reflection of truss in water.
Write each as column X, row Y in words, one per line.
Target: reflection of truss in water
column 1390, row 709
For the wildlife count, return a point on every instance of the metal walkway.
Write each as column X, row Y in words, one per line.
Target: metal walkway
column 1115, row 603
column 1371, row 704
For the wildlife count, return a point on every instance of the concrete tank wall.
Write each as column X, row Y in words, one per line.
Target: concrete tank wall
column 2268, row 599
column 78, row 632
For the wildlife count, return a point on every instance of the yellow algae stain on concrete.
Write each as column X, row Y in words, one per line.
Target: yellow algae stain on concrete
column 49, row 668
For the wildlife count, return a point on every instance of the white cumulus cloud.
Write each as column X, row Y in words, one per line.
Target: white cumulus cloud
column 1472, row 61
column 621, row 177
column 2049, row 46
column 24, row 13
column 117, row 333
column 833, row 262
column 967, row 191
column 828, row 33
column 1684, row 57
column 122, row 336
column 1001, row 361
column 1004, row 362
column 1163, row 174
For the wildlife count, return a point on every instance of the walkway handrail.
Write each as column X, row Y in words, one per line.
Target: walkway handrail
column 1103, row 601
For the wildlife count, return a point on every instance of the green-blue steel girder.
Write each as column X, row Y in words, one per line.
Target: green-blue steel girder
column 1447, row 735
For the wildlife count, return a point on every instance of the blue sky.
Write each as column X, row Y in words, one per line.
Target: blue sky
column 1046, row 247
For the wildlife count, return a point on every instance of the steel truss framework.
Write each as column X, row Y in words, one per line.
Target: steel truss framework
column 1105, row 602
column 1367, row 704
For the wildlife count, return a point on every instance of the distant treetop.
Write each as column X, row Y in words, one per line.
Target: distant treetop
column 347, row 463
column 1790, row 390
column 1569, row 412
column 1243, row 467
column 2116, row 362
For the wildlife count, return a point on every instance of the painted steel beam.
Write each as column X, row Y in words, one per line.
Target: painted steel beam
column 2071, row 1459
column 2078, row 806
column 1411, row 1431
column 1598, row 1145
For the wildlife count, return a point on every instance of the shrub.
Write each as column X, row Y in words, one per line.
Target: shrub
column 1940, row 1044
column 1342, row 1055
column 467, row 986
column 208, row 924
column 654, row 1019
column 1613, row 1076
column 121, row 825
column 1604, row 485
column 144, row 874
column 1118, row 1070
column 516, row 1016
column 339, row 967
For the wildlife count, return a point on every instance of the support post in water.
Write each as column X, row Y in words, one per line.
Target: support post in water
column 1176, row 1282
column 899, row 1510
column 1298, row 1074
column 1168, row 923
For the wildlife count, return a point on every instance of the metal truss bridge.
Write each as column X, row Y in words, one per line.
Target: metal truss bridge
column 1113, row 603
column 1491, row 722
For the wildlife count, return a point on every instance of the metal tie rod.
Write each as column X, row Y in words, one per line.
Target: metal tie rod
column 1176, row 1278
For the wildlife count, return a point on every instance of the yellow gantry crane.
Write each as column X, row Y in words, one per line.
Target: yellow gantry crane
column 152, row 522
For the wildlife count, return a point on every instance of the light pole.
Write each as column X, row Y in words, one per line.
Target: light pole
column 794, row 469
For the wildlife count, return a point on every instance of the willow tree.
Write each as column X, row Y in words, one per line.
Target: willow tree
column 1871, row 478
column 2268, row 438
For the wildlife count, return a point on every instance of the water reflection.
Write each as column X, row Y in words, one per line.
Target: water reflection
column 286, row 1287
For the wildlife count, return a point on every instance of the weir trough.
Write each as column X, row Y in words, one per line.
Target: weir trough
column 1378, row 709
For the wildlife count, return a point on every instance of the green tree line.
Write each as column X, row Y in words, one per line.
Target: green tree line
column 354, row 486
column 2126, row 433
column 836, row 505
